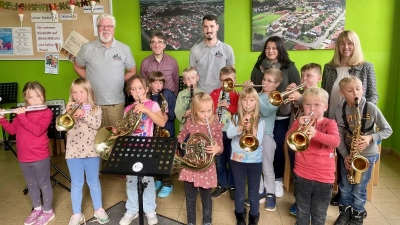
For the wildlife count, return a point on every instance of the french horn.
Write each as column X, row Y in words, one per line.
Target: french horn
column 106, row 136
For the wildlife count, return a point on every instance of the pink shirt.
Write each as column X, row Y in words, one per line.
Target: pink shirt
column 30, row 129
column 145, row 127
column 318, row 161
column 208, row 177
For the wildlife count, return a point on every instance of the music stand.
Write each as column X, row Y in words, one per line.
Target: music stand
column 8, row 94
column 141, row 156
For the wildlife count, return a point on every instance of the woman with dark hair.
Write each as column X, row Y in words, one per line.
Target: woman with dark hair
column 274, row 55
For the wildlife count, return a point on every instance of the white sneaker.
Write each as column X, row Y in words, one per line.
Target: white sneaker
column 102, row 216
column 278, row 189
column 77, row 219
column 127, row 219
column 152, row 218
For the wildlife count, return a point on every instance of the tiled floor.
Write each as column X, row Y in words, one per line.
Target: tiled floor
column 15, row 206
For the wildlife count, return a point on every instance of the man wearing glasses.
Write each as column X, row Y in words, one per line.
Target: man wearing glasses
column 159, row 61
column 107, row 64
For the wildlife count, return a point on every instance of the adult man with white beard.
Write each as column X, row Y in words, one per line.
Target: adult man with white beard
column 107, row 64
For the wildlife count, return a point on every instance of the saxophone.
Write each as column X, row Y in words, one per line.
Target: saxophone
column 161, row 132
column 359, row 164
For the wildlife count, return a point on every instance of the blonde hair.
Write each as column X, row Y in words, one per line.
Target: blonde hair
column 130, row 81
column 316, row 92
column 311, row 66
column 85, row 84
column 275, row 73
column 188, row 71
column 198, row 99
column 356, row 58
column 227, row 70
column 248, row 93
column 343, row 82
column 36, row 87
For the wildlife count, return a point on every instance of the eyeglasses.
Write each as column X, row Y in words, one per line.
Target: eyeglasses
column 156, row 42
column 105, row 26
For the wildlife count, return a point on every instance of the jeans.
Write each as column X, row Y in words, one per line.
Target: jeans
column 312, row 198
column 280, row 129
column 37, row 177
column 355, row 195
column 191, row 196
column 78, row 168
column 149, row 195
column 224, row 172
column 253, row 173
column 268, row 153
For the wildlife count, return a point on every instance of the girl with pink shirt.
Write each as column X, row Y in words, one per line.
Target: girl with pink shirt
column 202, row 121
column 30, row 128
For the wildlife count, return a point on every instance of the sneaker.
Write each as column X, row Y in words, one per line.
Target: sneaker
column 102, row 216
column 77, row 219
column 218, row 192
column 165, row 191
column 278, row 189
column 357, row 217
column 127, row 219
column 292, row 210
column 45, row 218
column 270, row 203
column 232, row 193
column 157, row 184
column 344, row 215
column 262, row 199
column 33, row 216
column 152, row 218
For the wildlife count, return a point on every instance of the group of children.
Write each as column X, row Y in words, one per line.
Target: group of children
column 225, row 117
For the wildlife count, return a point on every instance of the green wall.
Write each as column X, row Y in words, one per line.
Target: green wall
column 372, row 20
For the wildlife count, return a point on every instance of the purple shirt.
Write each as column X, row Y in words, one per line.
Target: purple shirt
column 168, row 66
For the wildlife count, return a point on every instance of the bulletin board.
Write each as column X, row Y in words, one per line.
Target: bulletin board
column 38, row 26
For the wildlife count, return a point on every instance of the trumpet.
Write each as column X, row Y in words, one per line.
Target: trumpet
column 65, row 121
column 298, row 140
column 248, row 142
column 276, row 98
column 228, row 85
column 28, row 109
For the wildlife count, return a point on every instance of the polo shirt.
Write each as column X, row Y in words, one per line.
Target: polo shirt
column 168, row 66
column 105, row 69
column 209, row 61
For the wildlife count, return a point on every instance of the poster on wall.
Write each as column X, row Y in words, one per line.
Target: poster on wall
column 72, row 45
column 6, row 41
column 180, row 21
column 23, row 40
column 51, row 63
column 303, row 25
column 49, row 37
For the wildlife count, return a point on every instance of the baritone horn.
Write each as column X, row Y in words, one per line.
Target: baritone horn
column 228, row 85
column 276, row 98
column 298, row 140
column 65, row 121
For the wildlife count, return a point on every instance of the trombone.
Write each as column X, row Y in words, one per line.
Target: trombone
column 298, row 140
column 276, row 98
column 228, row 85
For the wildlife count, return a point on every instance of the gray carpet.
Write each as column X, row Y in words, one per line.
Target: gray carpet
column 117, row 211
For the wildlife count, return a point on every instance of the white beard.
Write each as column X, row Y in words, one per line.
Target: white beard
column 103, row 39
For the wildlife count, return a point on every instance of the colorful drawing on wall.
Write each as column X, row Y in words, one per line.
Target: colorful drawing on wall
column 180, row 21
column 302, row 24
column 6, row 41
